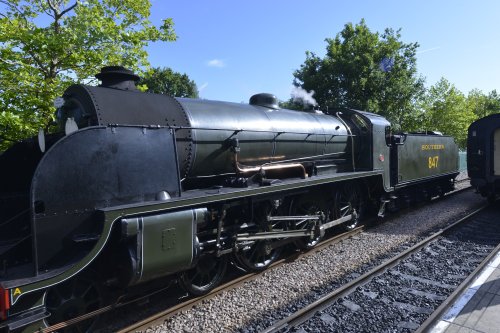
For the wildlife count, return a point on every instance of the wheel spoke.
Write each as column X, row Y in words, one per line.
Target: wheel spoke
column 258, row 257
column 307, row 205
column 204, row 279
column 347, row 202
column 344, row 210
column 87, row 290
column 207, row 275
column 196, row 276
column 74, row 298
column 253, row 251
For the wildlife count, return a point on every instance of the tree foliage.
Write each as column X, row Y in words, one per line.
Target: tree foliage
column 47, row 45
column 166, row 81
column 368, row 71
column 446, row 111
column 449, row 111
column 378, row 73
column 483, row 105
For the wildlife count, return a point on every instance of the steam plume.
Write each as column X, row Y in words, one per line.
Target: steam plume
column 301, row 95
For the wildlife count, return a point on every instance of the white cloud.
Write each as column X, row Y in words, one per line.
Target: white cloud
column 429, row 50
column 202, row 87
column 216, row 63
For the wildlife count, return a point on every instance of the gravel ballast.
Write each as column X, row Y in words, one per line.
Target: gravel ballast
column 402, row 297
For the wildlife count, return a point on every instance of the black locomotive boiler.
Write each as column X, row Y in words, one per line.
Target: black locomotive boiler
column 483, row 155
column 138, row 188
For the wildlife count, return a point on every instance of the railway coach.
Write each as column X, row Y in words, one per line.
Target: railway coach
column 138, row 189
column 483, row 155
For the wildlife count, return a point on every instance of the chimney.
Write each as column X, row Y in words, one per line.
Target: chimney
column 117, row 77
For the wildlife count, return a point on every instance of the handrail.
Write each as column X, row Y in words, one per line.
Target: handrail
column 236, row 131
column 350, row 135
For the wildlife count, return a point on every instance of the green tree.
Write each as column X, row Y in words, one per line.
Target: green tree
column 166, row 81
column 476, row 102
column 447, row 111
column 493, row 103
column 483, row 105
column 47, row 45
column 368, row 71
column 291, row 105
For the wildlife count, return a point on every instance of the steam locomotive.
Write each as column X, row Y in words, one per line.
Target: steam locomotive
column 139, row 187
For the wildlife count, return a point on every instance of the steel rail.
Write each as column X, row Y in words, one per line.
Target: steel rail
column 308, row 311
column 436, row 316
column 98, row 312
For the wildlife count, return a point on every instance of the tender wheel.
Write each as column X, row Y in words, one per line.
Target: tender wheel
column 308, row 206
column 258, row 255
column 74, row 298
column 348, row 201
column 207, row 275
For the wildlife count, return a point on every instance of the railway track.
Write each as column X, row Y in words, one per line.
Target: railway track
column 404, row 294
column 437, row 315
column 160, row 317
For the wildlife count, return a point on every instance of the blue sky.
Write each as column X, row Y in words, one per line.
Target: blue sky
column 233, row 49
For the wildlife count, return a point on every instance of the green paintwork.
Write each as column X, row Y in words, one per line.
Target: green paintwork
column 426, row 156
column 34, row 305
column 165, row 243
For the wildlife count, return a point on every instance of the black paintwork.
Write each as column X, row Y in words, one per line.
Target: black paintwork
column 481, row 155
column 136, row 157
column 120, row 165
